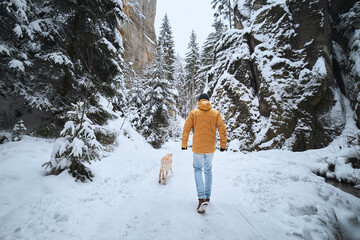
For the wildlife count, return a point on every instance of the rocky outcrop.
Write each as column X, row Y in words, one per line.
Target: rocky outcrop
column 139, row 38
column 346, row 49
column 274, row 77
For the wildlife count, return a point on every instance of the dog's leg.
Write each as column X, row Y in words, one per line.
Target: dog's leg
column 160, row 175
column 167, row 171
column 171, row 170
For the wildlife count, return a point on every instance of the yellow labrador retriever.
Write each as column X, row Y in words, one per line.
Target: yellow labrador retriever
column 166, row 164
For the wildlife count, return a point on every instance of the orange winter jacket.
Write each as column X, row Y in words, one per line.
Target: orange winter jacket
column 204, row 120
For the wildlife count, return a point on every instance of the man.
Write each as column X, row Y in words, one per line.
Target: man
column 204, row 120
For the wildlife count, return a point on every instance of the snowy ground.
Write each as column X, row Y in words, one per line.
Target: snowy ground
column 260, row 195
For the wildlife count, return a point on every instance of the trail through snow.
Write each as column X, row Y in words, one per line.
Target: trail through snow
column 169, row 211
column 264, row 195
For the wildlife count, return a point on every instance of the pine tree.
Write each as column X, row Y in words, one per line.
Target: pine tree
column 136, row 98
column 207, row 50
column 94, row 39
column 194, row 85
column 223, row 10
column 76, row 146
column 158, row 104
column 23, row 34
column 45, row 52
column 18, row 131
column 180, row 84
column 166, row 42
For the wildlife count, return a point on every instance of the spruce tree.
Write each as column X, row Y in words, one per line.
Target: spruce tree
column 136, row 97
column 207, row 50
column 94, row 39
column 26, row 30
column 46, row 52
column 166, row 42
column 76, row 146
column 180, row 84
column 194, row 85
column 18, row 131
column 157, row 103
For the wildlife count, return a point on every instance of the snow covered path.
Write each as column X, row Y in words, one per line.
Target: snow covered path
column 169, row 212
column 264, row 195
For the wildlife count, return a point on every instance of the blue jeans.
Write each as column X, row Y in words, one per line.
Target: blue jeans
column 203, row 163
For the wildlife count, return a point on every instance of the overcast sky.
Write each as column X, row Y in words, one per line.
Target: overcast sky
column 185, row 16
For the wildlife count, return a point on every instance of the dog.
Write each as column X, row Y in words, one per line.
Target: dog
column 166, row 164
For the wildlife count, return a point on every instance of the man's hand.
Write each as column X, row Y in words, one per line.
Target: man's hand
column 222, row 149
column 183, row 148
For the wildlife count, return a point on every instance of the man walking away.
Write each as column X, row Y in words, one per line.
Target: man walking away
column 204, row 120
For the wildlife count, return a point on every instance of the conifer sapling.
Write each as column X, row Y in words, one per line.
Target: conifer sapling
column 76, row 146
column 18, row 131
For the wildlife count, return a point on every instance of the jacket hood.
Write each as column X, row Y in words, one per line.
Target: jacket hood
column 204, row 105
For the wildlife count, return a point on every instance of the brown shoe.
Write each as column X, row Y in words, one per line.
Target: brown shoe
column 207, row 200
column 202, row 206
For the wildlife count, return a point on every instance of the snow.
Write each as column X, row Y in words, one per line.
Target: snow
column 17, row 30
column 5, row 49
column 19, row 3
column 339, row 152
column 59, row 147
column 118, row 2
column 234, row 145
column 17, row 65
column 21, row 6
column 151, row 41
column 119, row 40
column 355, row 54
column 38, row 100
column 339, row 53
column 267, row 144
column 109, row 45
column 320, row 67
column 270, row 194
column 42, row 26
column 35, row 25
column 58, row 58
column 77, row 146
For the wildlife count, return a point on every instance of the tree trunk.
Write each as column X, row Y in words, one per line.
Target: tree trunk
column 229, row 6
column 72, row 52
column 192, row 104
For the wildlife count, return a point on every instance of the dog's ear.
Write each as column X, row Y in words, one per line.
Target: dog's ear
column 170, row 154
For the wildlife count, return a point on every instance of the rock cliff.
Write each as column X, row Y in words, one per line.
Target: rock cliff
column 139, row 38
column 276, row 77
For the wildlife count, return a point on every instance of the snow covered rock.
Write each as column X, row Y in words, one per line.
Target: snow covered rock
column 273, row 78
column 346, row 47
